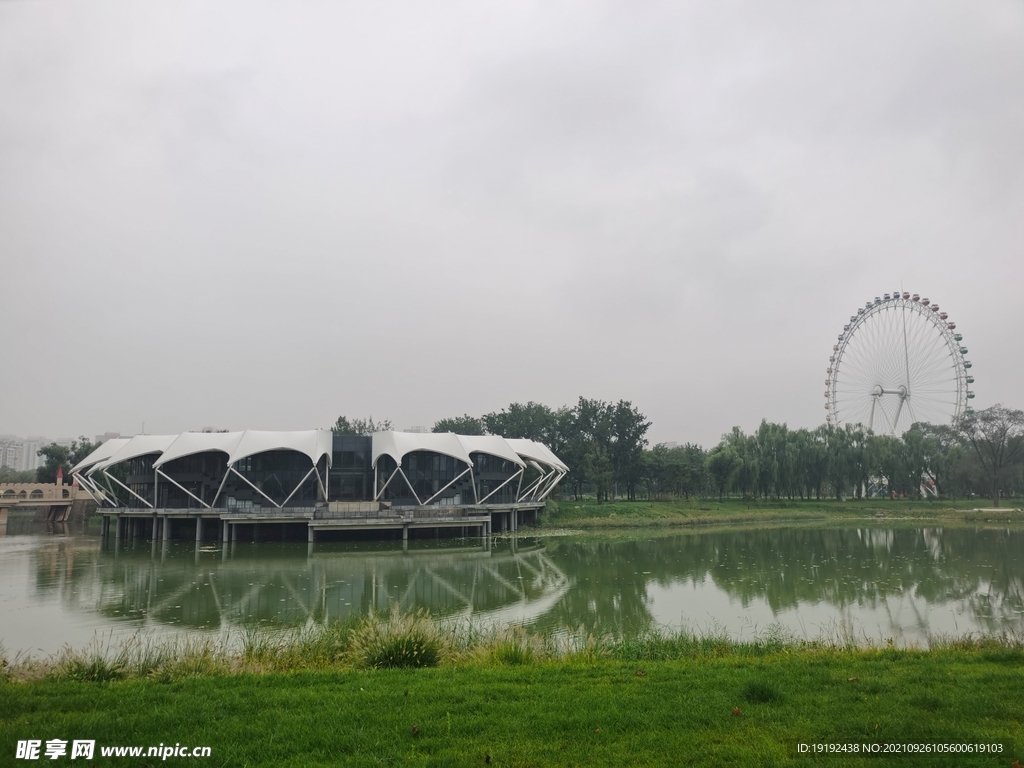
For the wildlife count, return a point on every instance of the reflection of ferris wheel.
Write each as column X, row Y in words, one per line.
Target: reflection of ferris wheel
column 898, row 361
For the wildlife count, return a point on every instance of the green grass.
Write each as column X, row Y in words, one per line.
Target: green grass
column 604, row 712
column 400, row 690
column 588, row 514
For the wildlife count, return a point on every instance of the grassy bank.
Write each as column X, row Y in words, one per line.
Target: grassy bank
column 713, row 711
column 589, row 514
column 400, row 690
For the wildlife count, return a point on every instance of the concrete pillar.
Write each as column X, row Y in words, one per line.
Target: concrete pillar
column 310, row 533
column 405, row 532
column 234, row 533
column 224, row 530
column 199, row 529
column 117, row 529
column 105, row 527
column 166, row 527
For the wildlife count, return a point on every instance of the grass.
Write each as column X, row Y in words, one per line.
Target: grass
column 401, row 690
column 589, row 515
column 739, row 707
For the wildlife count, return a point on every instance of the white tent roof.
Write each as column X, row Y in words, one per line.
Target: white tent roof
column 190, row 443
column 104, row 451
column 492, row 445
column 140, row 445
column 397, row 444
column 531, row 449
column 315, row 443
column 312, row 442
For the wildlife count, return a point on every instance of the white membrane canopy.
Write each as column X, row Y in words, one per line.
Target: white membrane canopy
column 531, row 449
column 397, row 444
column 140, row 445
column 313, row 442
column 492, row 445
column 191, row 443
column 101, row 453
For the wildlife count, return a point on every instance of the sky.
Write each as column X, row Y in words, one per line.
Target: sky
column 251, row 215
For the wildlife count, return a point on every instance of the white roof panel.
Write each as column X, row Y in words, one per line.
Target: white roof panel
column 140, row 445
column 491, row 445
column 531, row 449
column 397, row 444
column 312, row 442
column 104, row 451
column 190, row 443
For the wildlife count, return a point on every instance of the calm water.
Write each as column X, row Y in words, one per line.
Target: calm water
column 877, row 583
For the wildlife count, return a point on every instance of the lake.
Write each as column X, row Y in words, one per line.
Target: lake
column 872, row 583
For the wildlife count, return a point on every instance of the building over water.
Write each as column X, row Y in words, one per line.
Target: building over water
column 232, row 482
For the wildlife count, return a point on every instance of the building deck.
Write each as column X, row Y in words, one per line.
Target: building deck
column 146, row 523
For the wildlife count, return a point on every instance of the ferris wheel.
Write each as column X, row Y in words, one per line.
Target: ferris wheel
column 898, row 361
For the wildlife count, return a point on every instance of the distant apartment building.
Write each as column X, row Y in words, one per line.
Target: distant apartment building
column 22, row 453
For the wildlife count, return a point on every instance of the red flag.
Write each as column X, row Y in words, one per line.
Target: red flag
column 60, row 475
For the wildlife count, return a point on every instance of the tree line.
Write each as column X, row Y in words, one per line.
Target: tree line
column 605, row 446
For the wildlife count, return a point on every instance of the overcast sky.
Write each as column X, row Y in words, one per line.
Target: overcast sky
column 264, row 215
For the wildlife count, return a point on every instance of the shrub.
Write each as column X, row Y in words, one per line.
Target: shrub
column 397, row 640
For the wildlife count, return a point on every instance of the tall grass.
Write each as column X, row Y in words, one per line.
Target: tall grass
column 399, row 639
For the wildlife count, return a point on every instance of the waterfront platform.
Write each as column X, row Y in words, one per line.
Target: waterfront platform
column 330, row 519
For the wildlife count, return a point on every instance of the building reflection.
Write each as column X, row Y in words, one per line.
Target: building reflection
column 602, row 587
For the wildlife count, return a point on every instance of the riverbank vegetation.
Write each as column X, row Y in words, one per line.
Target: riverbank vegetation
column 588, row 514
column 402, row 689
column 605, row 446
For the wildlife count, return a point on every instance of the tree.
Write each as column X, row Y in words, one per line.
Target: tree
column 8, row 475
column 996, row 435
column 597, row 469
column 723, row 463
column 460, row 425
column 367, row 426
column 62, row 456
column 628, row 427
column 532, row 421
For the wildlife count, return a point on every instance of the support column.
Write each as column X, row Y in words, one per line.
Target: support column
column 199, row 529
column 310, row 532
column 234, row 533
column 405, row 532
column 105, row 527
column 117, row 529
column 224, row 530
column 166, row 522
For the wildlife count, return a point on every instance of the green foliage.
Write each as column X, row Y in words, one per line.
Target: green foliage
column 532, row 421
column 460, row 425
column 996, row 437
column 60, row 456
column 723, row 464
column 8, row 475
column 397, row 640
column 356, row 426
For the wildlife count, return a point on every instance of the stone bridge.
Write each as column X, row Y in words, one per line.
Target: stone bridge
column 58, row 497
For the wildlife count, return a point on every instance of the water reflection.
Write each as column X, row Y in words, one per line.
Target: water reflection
column 902, row 582
column 289, row 584
column 899, row 577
